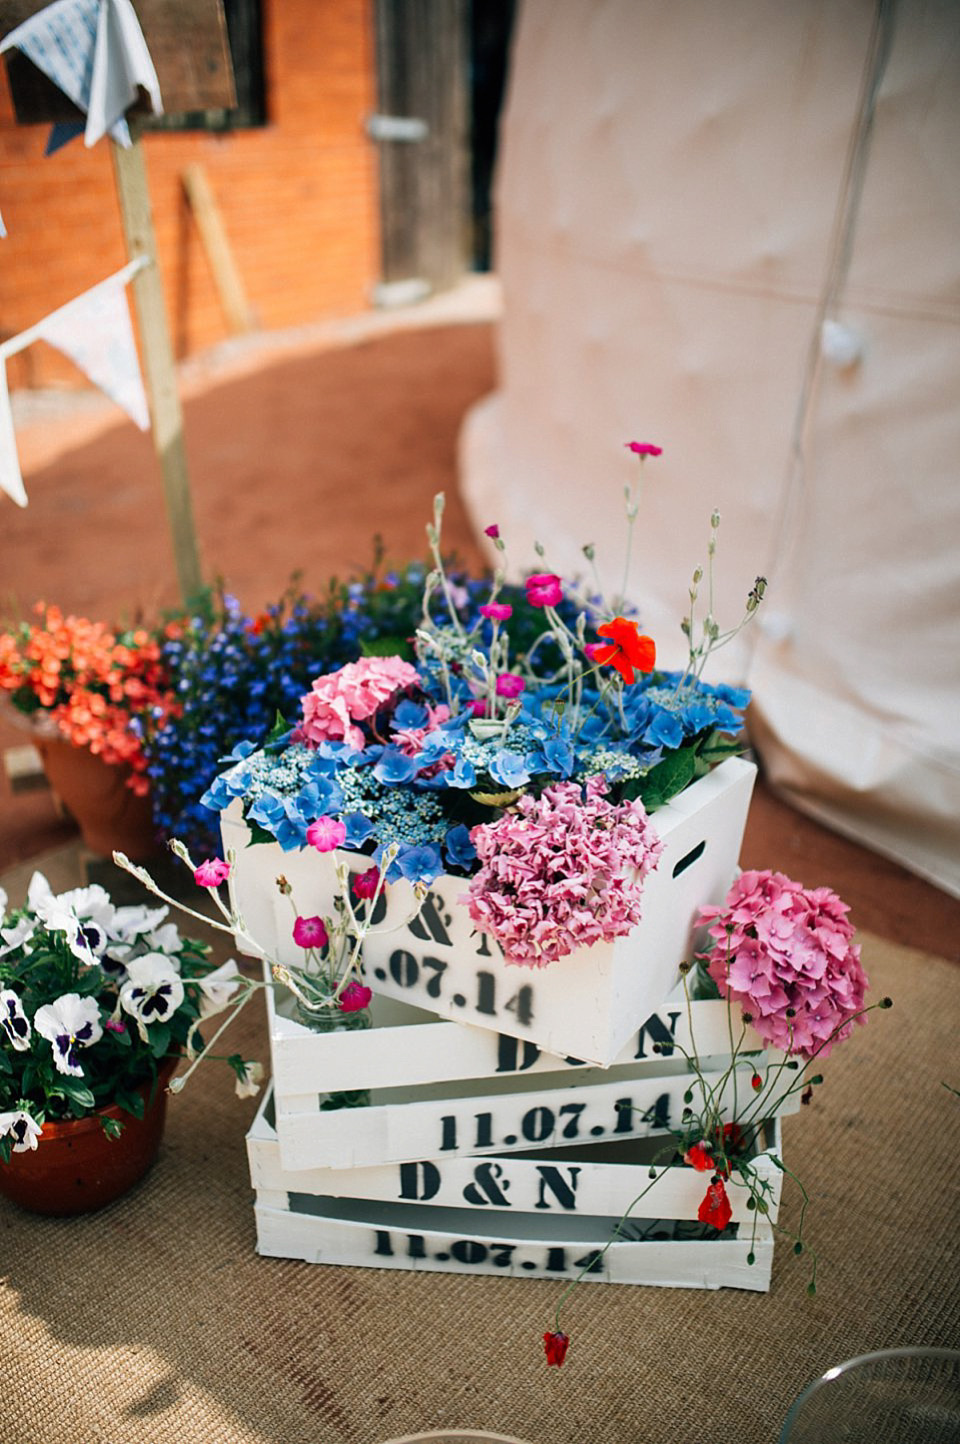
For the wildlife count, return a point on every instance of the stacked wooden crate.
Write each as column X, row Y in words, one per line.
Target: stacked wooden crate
column 511, row 1117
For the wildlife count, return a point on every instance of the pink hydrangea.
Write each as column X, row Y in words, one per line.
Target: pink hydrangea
column 562, row 872
column 338, row 701
column 783, row 952
column 410, row 739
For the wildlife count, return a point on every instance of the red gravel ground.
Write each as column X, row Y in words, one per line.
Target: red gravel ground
column 294, row 466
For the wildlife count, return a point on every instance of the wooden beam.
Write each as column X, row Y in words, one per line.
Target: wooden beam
column 158, row 363
column 226, row 276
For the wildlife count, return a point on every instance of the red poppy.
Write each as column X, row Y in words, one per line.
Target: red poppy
column 628, row 650
column 699, row 1158
column 733, row 1138
column 715, row 1208
column 555, row 1347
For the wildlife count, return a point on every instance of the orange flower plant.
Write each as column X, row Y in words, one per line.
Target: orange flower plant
column 91, row 682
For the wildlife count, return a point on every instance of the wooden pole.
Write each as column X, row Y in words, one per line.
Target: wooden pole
column 226, row 276
column 161, row 377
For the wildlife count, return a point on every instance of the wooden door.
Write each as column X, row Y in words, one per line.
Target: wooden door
column 422, row 132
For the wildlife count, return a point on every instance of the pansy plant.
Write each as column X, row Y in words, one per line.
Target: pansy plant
column 93, row 998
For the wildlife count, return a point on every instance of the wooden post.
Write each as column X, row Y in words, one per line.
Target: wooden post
column 160, row 371
column 226, row 276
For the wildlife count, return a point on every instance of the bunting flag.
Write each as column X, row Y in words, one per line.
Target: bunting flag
column 95, row 52
column 95, row 332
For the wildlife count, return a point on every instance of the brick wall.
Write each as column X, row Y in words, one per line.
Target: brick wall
column 298, row 198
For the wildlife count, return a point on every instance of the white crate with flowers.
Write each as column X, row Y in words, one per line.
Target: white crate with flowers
column 470, row 831
column 558, row 807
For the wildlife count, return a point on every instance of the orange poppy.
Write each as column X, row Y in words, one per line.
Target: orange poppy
column 628, row 649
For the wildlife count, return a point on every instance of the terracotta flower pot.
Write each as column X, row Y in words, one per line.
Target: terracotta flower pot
column 76, row 1168
column 95, row 794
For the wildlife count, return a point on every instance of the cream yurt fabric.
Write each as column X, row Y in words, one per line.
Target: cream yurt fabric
column 731, row 230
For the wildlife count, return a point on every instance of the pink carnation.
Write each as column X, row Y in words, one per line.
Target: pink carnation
column 544, row 589
column 509, row 685
column 365, row 884
column 784, row 954
column 326, row 834
column 338, row 701
column 561, row 872
column 212, row 872
column 354, row 998
column 310, row 933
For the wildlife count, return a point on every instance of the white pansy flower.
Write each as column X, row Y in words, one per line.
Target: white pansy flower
column 17, row 936
column 130, row 923
column 248, row 1082
column 23, row 1129
column 153, row 991
column 164, row 940
column 14, row 1023
column 69, row 1024
column 84, row 914
column 218, row 987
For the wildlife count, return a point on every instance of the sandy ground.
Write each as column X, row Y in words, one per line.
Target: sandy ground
column 301, row 446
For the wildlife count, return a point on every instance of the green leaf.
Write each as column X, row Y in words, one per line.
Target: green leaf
column 6, row 1147
column 77, row 1092
column 159, row 1034
column 130, row 1102
column 112, row 1127
column 279, row 729
column 258, row 833
column 670, row 776
column 386, row 647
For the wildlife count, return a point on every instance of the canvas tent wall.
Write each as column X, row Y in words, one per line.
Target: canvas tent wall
column 686, row 194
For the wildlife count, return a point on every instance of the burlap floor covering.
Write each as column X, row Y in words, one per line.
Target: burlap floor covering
column 155, row 1320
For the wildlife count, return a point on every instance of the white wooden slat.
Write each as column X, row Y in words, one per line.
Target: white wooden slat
column 445, row 1120
column 594, row 1179
column 380, row 1241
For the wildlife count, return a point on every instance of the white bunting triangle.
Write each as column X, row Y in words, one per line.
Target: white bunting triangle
column 95, row 332
column 95, row 52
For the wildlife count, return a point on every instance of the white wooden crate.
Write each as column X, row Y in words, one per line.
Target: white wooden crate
column 408, row 1046
column 382, row 1235
column 598, row 1180
column 493, row 1115
column 586, row 1005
